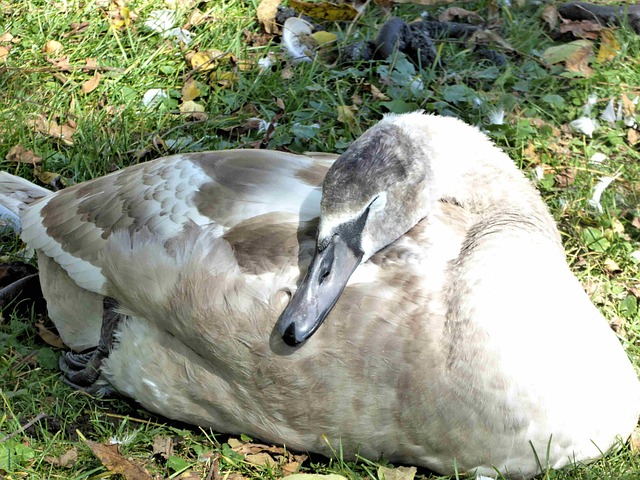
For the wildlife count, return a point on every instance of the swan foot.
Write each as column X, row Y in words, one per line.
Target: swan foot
column 82, row 370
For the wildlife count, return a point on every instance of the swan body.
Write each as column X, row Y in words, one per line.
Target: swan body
column 450, row 334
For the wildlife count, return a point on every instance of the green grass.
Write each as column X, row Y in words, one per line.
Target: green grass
column 113, row 129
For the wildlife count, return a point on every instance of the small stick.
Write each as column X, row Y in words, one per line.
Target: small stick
column 37, row 418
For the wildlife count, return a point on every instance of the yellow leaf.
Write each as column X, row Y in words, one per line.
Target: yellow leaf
column 628, row 107
column 4, row 53
column 48, row 336
column 223, row 79
column 323, row 37
column 91, row 84
column 52, row 47
column 609, row 46
column 190, row 91
column 194, row 110
column 326, row 11
column 209, row 59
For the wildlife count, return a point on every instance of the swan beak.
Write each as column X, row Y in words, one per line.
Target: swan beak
column 323, row 284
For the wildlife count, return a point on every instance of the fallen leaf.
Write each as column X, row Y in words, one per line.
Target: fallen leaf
column 48, row 336
column 261, row 459
column 90, row 63
column 578, row 61
column 531, row 154
column 76, row 28
column 163, row 446
column 4, row 53
column 61, row 63
column 377, row 94
column 321, row 37
column 565, row 177
column 399, row 473
column 453, row 13
column 91, row 84
column 550, row 15
column 18, row 154
column 289, row 468
column 634, row 440
column 633, row 136
column 194, row 110
column 54, row 180
column 636, row 222
column 223, row 79
column 490, row 37
column 190, row 90
column 581, row 29
column 112, row 459
column 209, row 59
column 315, row 476
column 51, row 128
column 6, row 37
column 266, row 12
column 66, row 460
column 628, row 107
column 329, row 12
column 609, row 46
column 52, row 47
column 346, row 115
column 611, row 266
column 560, row 53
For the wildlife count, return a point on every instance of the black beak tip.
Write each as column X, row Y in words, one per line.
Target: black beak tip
column 289, row 336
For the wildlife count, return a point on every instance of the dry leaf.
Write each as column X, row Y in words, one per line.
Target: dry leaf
column 565, row 177
column 4, row 53
column 633, row 136
column 61, row 63
column 223, row 79
column 326, row 11
column 636, row 222
column 399, row 473
column 581, row 29
column 634, row 440
column 209, row 59
column 52, row 47
column 112, row 459
column 66, row 460
column 280, row 103
column 490, row 37
column 190, row 91
column 18, row 154
column 531, row 154
column 609, row 46
column 48, row 336
column 376, row 93
column 346, row 115
column 90, row 63
column 163, row 446
column 6, row 37
column 194, row 110
column 315, row 476
column 261, row 459
column 551, row 16
column 51, row 128
column 579, row 61
column 628, row 107
column 286, row 73
column 267, row 11
column 453, row 13
column 611, row 266
column 290, row 468
column 91, row 84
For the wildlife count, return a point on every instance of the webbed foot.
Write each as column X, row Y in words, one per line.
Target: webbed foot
column 82, row 370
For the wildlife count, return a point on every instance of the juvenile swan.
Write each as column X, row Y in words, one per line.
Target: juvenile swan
column 439, row 322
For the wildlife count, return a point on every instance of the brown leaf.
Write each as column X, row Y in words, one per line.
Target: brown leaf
column 636, row 222
column 376, row 93
column 633, row 136
column 551, row 16
column 61, row 63
column 76, row 28
column 112, row 459
column 346, row 115
column 565, row 177
column 578, row 61
column 453, row 13
column 6, row 37
column 4, row 53
column 66, row 460
column 628, row 107
column 50, row 127
column 634, row 440
column 90, row 63
column 581, row 29
column 48, row 336
column 290, row 468
column 18, row 154
column 329, row 12
column 91, row 84
column 267, row 11
column 163, row 446
column 490, row 37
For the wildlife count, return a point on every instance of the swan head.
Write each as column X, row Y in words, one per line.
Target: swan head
column 373, row 193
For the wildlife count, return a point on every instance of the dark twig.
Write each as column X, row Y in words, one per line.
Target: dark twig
column 602, row 14
column 37, row 418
